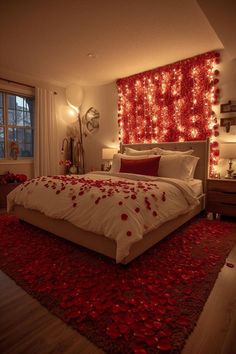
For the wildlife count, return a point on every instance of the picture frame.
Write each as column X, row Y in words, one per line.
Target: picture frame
column 233, row 107
column 227, row 123
column 228, row 107
column 225, row 108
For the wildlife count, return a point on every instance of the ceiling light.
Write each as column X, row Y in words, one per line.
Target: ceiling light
column 92, row 55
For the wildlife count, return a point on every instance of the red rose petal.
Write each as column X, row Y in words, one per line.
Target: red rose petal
column 113, row 331
column 183, row 321
column 140, row 351
column 164, row 345
column 230, row 265
column 124, row 216
column 97, row 200
column 129, row 233
column 123, row 328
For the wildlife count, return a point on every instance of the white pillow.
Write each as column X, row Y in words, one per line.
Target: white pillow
column 133, row 152
column 177, row 166
column 156, row 150
column 160, row 151
column 173, row 166
column 117, row 160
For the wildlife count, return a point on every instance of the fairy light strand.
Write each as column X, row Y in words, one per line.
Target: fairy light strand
column 172, row 103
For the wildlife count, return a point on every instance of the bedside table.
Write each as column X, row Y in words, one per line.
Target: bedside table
column 4, row 190
column 221, row 196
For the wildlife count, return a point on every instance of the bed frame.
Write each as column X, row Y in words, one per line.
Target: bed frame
column 106, row 246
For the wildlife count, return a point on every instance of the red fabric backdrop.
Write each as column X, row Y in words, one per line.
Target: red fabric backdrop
column 171, row 103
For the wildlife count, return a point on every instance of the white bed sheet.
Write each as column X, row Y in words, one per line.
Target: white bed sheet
column 197, row 187
column 122, row 207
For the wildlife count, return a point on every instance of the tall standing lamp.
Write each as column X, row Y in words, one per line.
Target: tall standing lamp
column 74, row 94
column 228, row 151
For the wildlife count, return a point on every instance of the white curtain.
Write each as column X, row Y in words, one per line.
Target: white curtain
column 46, row 150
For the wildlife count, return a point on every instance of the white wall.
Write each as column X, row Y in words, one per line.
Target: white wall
column 227, row 87
column 104, row 99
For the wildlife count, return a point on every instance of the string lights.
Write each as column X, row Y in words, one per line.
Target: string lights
column 171, row 103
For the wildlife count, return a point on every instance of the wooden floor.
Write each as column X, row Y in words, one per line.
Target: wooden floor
column 28, row 328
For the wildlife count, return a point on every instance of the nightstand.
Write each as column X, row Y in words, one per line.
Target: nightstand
column 4, row 190
column 221, row 196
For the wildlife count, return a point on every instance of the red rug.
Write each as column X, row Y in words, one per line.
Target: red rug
column 150, row 306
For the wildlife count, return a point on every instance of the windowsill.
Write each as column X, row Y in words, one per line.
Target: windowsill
column 16, row 162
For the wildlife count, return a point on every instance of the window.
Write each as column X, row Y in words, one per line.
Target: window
column 16, row 124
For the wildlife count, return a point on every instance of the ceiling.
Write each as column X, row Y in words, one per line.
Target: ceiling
column 50, row 40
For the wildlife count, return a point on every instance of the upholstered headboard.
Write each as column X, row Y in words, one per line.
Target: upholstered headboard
column 200, row 148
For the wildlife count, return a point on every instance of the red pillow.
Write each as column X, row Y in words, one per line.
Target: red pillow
column 147, row 166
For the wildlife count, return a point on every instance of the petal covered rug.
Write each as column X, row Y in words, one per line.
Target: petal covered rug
column 149, row 306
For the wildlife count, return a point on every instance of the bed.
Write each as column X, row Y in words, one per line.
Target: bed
column 97, row 241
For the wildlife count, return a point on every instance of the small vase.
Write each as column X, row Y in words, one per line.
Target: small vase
column 14, row 154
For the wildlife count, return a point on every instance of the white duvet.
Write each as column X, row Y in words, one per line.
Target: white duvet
column 123, row 207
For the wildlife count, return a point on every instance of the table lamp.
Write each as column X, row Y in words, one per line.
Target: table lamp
column 228, row 151
column 107, row 155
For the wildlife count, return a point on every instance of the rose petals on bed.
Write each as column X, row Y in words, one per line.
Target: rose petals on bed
column 90, row 202
column 124, row 216
column 97, row 200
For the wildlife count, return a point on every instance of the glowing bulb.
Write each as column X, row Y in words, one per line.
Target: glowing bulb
column 194, row 132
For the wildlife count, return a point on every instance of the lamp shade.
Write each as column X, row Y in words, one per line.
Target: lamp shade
column 107, row 153
column 228, row 151
column 74, row 95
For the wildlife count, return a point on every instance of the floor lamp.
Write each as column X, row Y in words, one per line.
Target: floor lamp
column 74, row 94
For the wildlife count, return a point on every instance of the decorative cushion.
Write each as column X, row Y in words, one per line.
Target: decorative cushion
column 148, row 167
column 116, row 162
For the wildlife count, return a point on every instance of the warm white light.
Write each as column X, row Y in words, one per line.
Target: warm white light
column 108, row 153
column 72, row 112
column 180, row 128
column 74, row 95
column 228, row 151
column 154, row 118
column 194, row 132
